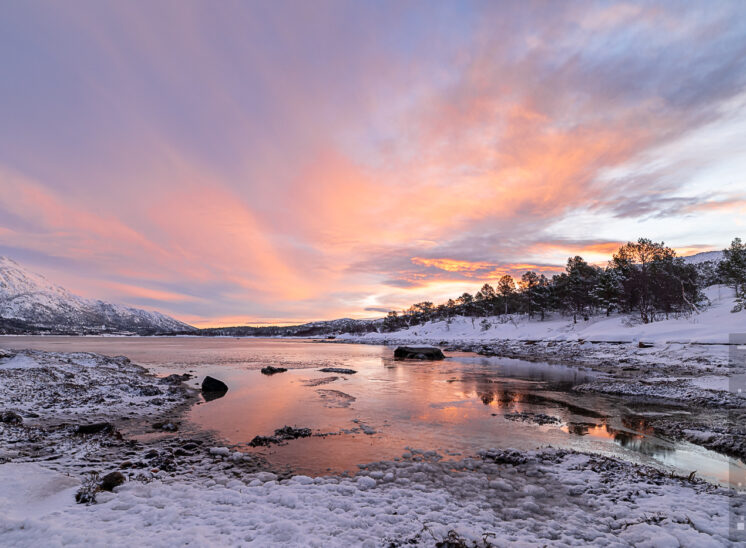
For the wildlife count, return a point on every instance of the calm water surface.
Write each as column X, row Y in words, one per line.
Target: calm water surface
column 456, row 406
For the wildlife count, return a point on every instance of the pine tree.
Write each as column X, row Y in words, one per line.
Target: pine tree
column 543, row 295
column 581, row 279
column 506, row 289
column 529, row 283
column 608, row 290
column 733, row 270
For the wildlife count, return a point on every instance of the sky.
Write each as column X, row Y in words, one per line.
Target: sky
column 255, row 162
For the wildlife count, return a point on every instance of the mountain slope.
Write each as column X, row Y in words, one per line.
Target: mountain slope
column 705, row 256
column 27, row 298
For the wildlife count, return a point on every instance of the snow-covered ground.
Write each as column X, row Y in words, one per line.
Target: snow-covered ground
column 502, row 497
column 191, row 492
column 711, row 326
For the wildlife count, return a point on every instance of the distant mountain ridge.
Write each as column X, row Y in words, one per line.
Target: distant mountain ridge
column 31, row 303
column 705, row 256
column 311, row 329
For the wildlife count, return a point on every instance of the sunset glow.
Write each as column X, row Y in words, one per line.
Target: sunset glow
column 250, row 163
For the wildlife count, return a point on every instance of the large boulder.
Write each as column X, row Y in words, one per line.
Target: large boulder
column 418, row 353
column 213, row 389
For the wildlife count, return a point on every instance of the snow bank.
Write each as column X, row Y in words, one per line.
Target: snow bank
column 32, row 491
column 505, row 497
column 712, row 326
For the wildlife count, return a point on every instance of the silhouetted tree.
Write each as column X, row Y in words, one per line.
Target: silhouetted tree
column 506, row 289
column 529, row 283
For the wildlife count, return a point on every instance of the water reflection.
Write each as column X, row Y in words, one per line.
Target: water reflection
column 456, row 406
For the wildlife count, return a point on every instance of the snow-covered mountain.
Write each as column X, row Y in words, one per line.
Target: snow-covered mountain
column 705, row 256
column 28, row 299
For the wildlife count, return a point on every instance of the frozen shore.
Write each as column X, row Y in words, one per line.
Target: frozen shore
column 182, row 488
column 550, row 497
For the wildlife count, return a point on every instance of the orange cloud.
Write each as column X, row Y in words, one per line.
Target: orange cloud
column 153, row 294
column 451, row 265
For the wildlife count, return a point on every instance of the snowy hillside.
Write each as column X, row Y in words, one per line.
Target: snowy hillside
column 699, row 258
column 30, row 298
column 711, row 325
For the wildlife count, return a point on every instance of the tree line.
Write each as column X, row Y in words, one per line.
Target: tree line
column 643, row 278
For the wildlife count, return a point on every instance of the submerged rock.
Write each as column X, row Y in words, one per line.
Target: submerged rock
column 536, row 418
column 271, row 370
column 213, row 389
column 319, row 381
column 335, row 398
column 418, row 353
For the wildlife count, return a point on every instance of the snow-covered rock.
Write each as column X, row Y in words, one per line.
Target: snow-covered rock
column 53, row 385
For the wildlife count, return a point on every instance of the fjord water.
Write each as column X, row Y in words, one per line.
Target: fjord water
column 456, row 406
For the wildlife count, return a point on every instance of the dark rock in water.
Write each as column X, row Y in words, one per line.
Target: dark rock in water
column 213, row 389
column 213, row 385
column 263, row 441
column 340, row 370
column 111, row 480
column 290, row 433
column 95, row 428
column 271, row 370
column 642, row 344
column 9, row 417
column 418, row 353
column 281, row 434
